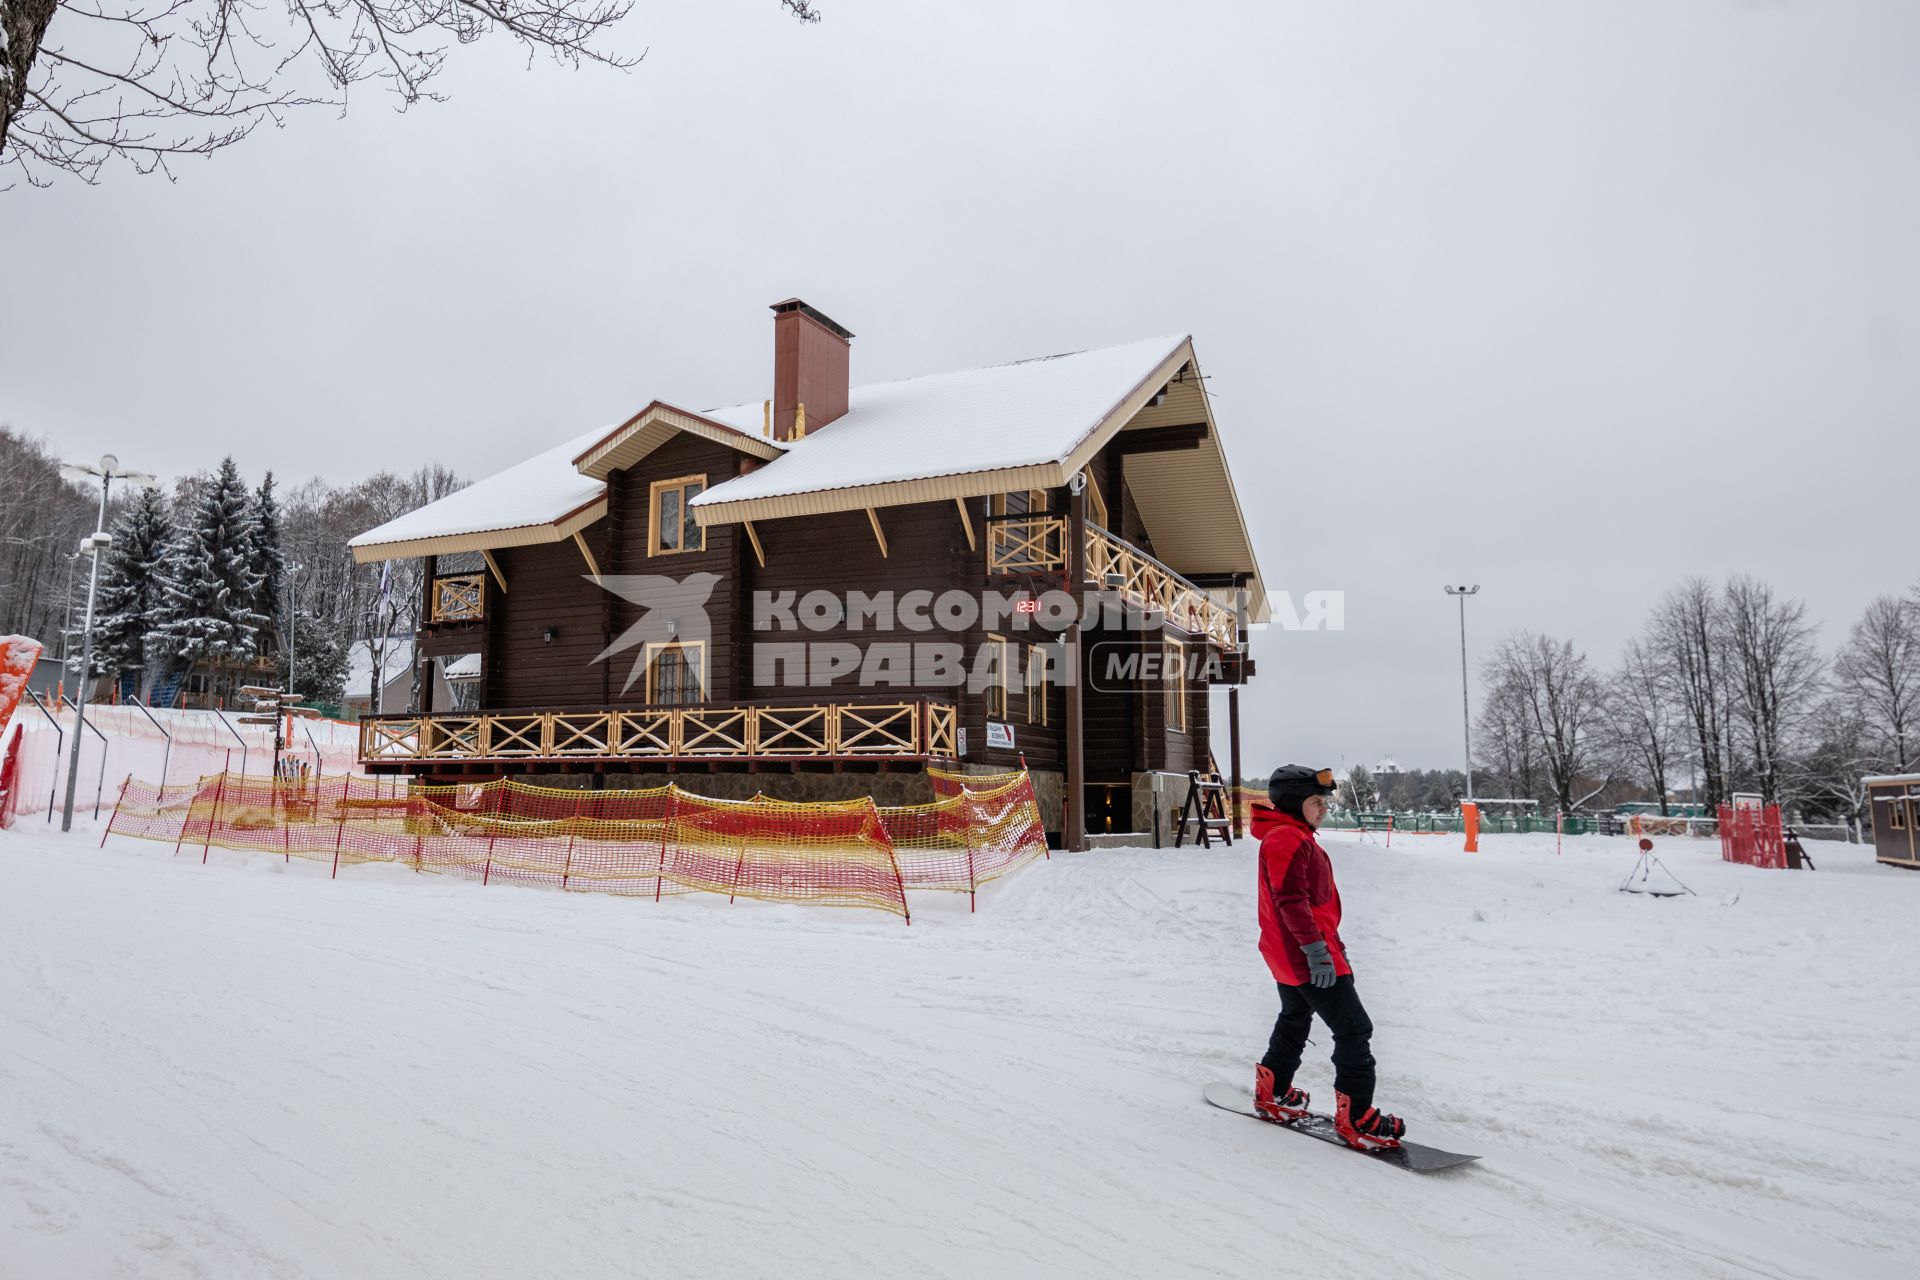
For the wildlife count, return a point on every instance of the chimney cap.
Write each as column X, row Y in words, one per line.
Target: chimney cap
column 795, row 304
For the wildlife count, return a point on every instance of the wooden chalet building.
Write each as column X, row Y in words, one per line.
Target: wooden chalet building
column 1098, row 473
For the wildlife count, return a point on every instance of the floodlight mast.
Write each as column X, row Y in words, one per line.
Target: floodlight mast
column 1466, row 718
column 108, row 470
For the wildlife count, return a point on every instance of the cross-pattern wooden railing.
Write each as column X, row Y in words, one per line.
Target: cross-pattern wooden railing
column 458, row 598
column 1018, row 544
column 1024, row 544
column 911, row 727
column 1146, row 582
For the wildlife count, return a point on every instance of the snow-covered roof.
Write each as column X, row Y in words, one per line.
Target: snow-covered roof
column 1890, row 777
column 539, row 496
column 1027, row 413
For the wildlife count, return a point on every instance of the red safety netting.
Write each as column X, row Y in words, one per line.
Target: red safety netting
column 649, row 842
column 1753, row 836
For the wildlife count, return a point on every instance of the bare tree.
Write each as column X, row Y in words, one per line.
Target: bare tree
column 1776, row 674
column 1552, row 688
column 1878, row 672
column 1507, row 749
column 43, row 516
column 1688, row 636
column 1841, row 751
column 87, row 82
column 1643, row 720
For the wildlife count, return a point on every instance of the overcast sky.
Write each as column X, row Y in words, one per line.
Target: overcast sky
column 1568, row 300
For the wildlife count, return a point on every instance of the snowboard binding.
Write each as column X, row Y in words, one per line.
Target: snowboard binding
column 1370, row 1130
column 1288, row 1107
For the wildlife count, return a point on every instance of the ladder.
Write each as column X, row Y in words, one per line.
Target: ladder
column 1205, row 811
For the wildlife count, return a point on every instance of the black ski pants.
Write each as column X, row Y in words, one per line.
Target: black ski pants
column 1340, row 1008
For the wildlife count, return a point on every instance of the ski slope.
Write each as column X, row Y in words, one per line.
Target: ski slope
column 245, row 1069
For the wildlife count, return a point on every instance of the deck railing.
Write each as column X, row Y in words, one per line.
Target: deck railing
column 1025, row 544
column 458, row 597
column 799, row 730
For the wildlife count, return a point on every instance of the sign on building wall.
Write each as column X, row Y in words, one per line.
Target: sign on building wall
column 999, row 735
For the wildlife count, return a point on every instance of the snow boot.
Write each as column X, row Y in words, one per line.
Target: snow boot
column 1369, row 1130
column 1289, row 1106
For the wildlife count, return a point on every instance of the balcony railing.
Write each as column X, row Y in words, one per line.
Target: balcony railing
column 1026, row 544
column 458, row 597
column 908, row 728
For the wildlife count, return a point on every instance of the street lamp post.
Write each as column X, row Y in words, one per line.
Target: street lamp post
column 1466, row 719
column 292, row 569
column 93, row 544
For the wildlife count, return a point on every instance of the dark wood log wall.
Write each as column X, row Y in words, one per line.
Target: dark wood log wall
column 927, row 550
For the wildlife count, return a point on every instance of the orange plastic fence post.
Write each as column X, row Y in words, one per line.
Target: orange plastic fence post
column 893, row 856
column 966, row 825
column 566, row 871
column 666, row 825
column 1470, row 824
column 219, row 789
column 739, row 864
column 346, row 788
column 116, row 811
column 1389, row 831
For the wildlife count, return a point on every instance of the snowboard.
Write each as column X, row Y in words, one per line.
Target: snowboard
column 1408, row 1155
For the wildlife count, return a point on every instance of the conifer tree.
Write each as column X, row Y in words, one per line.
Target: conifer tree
column 269, row 563
column 211, row 581
column 133, row 586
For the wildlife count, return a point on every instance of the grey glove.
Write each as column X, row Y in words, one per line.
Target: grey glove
column 1319, row 964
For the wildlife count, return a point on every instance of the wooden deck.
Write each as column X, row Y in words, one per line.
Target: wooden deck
column 912, row 728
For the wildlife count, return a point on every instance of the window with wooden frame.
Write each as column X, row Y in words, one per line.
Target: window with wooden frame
column 1176, row 660
column 1021, row 502
column 677, row 673
column 1897, row 814
column 671, row 527
column 997, row 691
column 1096, row 501
column 1037, row 684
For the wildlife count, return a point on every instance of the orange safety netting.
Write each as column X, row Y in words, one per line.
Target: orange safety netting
column 649, row 842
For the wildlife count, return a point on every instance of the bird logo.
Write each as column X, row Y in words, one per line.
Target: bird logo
column 673, row 611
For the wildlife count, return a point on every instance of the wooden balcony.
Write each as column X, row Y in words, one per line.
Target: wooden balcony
column 912, row 728
column 459, row 597
column 1038, row 543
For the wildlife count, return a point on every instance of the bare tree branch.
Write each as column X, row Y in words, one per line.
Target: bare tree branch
column 86, row 83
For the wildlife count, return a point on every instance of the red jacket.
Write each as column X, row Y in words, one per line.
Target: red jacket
column 1299, row 903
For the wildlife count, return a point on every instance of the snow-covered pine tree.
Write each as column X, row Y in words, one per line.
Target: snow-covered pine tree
column 321, row 673
column 133, row 587
column 211, row 583
column 269, row 563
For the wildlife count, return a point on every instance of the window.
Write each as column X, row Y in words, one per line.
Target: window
column 1021, row 502
column 672, row 527
column 1096, row 501
column 1176, row 659
column 997, row 667
column 1896, row 814
column 1036, row 684
column 677, row 674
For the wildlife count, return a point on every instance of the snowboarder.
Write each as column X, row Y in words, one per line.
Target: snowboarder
column 1300, row 940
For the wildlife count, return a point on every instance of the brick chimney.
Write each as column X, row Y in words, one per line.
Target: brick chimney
column 809, row 368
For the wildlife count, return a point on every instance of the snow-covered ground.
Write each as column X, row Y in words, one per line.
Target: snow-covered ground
column 246, row 1069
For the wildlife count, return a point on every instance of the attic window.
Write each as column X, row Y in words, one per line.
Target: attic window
column 672, row 526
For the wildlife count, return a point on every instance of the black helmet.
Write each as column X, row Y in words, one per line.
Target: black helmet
column 1292, row 783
